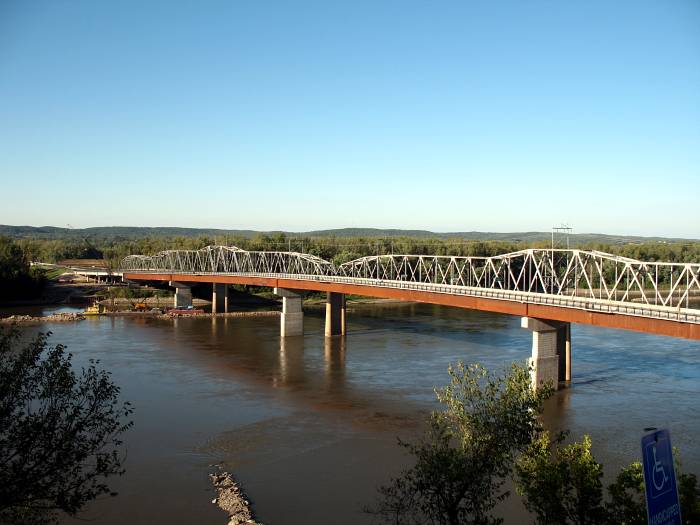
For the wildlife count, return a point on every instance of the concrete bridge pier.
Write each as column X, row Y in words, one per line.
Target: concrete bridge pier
column 219, row 298
column 551, row 351
column 335, row 314
column 292, row 318
column 183, row 294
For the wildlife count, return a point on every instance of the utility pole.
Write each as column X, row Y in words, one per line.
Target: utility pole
column 563, row 230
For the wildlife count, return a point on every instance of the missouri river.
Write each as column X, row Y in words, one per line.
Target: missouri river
column 309, row 427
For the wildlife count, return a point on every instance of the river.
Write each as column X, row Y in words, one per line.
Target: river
column 309, row 426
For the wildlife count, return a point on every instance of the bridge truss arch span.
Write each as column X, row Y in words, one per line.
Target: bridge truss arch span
column 581, row 279
column 577, row 273
column 229, row 260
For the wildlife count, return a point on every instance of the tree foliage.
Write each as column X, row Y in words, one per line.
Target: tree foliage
column 16, row 278
column 627, row 505
column 562, row 485
column 467, row 453
column 59, row 430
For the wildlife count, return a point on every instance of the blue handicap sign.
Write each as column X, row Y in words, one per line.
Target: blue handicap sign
column 663, row 507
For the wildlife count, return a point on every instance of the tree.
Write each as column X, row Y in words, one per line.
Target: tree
column 468, row 450
column 59, row 431
column 16, row 280
column 627, row 505
column 563, row 485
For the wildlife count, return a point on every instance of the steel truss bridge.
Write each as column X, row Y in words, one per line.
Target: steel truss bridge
column 579, row 286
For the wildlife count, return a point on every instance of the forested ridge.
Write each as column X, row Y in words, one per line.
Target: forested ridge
column 121, row 233
column 337, row 249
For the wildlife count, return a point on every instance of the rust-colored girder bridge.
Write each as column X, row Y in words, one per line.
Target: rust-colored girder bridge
column 548, row 288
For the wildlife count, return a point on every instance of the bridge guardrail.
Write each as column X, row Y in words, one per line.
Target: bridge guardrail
column 675, row 313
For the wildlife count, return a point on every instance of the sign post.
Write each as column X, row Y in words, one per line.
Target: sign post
column 663, row 507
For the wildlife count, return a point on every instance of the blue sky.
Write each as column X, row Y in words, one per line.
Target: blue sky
column 448, row 116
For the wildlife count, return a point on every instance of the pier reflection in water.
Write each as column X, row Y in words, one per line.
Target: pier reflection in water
column 309, row 425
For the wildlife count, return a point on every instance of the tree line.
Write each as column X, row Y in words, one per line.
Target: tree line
column 331, row 248
column 19, row 280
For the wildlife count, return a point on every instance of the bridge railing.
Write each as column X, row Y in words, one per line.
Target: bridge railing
column 563, row 273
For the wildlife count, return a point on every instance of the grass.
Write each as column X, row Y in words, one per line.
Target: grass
column 50, row 274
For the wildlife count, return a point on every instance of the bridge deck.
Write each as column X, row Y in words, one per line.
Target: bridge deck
column 663, row 320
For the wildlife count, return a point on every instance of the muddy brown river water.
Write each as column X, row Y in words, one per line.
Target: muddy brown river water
column 309, row 426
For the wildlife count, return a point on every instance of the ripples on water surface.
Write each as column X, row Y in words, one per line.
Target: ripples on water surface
column 309, row 428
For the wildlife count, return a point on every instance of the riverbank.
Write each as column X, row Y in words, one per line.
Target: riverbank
column 63, row 317
column 260, row 313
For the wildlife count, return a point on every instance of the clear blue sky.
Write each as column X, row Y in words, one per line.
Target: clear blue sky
column 448, row 116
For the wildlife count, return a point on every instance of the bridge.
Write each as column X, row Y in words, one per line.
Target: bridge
column 549, row 289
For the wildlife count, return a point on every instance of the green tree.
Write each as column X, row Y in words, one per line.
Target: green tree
column 561, row 484
column 16, row 279
column 689, row 495
column 13, row 263
column 344, row 257
column 468, row 451
column 59, row 431
column 627, row 504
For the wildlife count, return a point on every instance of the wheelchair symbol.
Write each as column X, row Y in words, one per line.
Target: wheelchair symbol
column 658, row 476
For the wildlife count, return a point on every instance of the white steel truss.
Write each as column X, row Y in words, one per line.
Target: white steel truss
column 576, row 273
column 543, row 276
column 228, row 259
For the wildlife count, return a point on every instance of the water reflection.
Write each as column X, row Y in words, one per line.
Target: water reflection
column 291, row 363
column 334, row 360
column 328, row 410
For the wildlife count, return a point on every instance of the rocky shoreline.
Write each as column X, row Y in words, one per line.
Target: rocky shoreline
column 262, row 313
column 69, row 317
column 230, row 498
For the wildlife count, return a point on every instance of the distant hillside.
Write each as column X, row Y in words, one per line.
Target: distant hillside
column 526, row 237
column 114, row 232
column 135, row 232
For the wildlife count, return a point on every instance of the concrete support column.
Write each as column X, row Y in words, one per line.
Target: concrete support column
column 564, row 351
column 219, row 298
column 335, row 314
column 183, row 294
column 551, row 351
column 292, row 318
